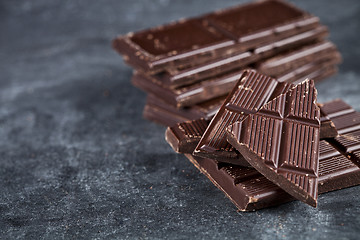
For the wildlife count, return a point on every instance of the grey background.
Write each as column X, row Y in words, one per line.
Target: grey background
column 78, row 161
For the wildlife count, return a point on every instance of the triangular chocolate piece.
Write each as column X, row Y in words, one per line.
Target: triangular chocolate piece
column 249, row 94
column 282, row 141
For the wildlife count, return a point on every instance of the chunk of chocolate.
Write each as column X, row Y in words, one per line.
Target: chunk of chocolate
column 348, row 144
column 345, row 118
column 327, row 128
column 183, row 137
column 251, row 191
column 250, row 93
column 281, row 141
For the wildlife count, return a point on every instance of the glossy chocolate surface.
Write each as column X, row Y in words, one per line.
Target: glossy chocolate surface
column 212, row 35
column 249, row 94
column 282, row 139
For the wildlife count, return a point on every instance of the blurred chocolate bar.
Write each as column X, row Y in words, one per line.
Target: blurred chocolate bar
column 196, row 40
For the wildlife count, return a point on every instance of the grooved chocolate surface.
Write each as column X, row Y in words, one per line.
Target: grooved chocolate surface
column 349, row 144
column 248, row 96
column 345, row 118
column 77, row 159
column 282, row 141
column 250, row 191
column 183, row 137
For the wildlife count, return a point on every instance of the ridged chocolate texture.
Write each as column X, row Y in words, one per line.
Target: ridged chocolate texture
column 250, row 191
column 183, row 137
column 349, row 144
column 250, row 93
column 281, row 141
column 168, row 115
column 337, row 114
column 345, row 118
column 212, row 35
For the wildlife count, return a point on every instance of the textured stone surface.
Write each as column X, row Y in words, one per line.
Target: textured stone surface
column 71, row 166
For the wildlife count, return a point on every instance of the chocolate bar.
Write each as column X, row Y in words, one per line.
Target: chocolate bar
column 212, row 35
column 286, row 62
column 181, row 77
column 167, row 115
column 222, row 84
column 250, row 93
column 345, row 118
column 159, row 111
column 314, row 70
column 327, row 128
column 189, row 95
column 250, row 191
column 184, row 137
column 281, row 141
column 347, row 121
column 349, row 144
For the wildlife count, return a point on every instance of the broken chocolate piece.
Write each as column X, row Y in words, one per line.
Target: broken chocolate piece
column 251, row 191
column 250, row 93
column 349, row 145
column 344, row 117
column 281, row 141
column 184, row 137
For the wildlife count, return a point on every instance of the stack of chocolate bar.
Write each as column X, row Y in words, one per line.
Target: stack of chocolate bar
column 189, row 66
column 271, row 143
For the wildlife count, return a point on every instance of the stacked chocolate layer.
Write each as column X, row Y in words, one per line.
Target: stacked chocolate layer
column 245, row 77
column 249, row 190
column 189, row 66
